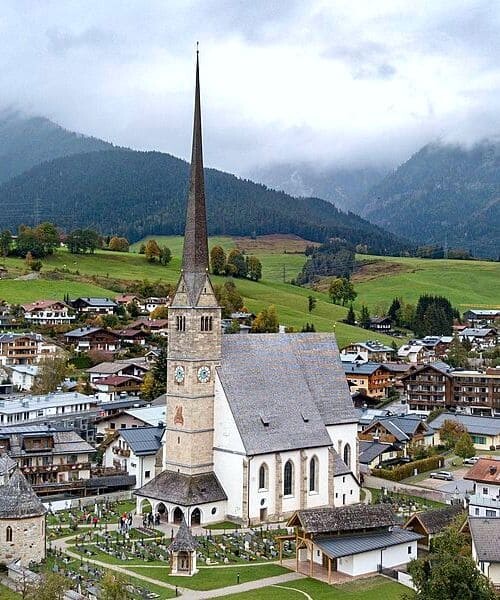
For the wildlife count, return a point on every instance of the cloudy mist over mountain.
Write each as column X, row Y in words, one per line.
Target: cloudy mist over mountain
column 332, row 83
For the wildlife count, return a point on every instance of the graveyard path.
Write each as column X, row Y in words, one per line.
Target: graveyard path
column 284, row 587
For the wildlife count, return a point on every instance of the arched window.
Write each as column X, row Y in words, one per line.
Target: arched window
column 263, row 476
column 288, row 478
column 314, row 475
column 347, row 455
column 8, row 534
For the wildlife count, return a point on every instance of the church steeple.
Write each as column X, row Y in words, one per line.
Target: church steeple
column 195, row 255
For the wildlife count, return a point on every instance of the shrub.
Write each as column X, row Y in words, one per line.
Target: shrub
column 407, row 470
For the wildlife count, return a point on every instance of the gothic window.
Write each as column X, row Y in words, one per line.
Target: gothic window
column 206, row 323
column 263, row 476
column 8, row 534
column 347, row 455
column 288, row 478
column 180, row 323
column 314, row 475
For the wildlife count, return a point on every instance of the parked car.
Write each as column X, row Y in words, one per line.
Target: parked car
column 442, row 475
column 471, row 461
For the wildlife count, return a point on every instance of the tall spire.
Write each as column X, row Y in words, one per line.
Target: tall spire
column 195, row 255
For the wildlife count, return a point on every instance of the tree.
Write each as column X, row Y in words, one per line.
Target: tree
column 114, row 586
column 165, row 255
column 465, row 446
column 119, row 244
column 133, row 309
column 351, row 316
column 311, row 303
column 52, row 370
column 450, row 432
column 49, row 237
column 160, row 312
column 335, row 290
column 81, row 241
column 228, row 298
column 5, row 242
column 433, row 316
column 348, row 292
column 152, row 251
column 457, row 354
column 364, row 317
column 50, row 586
column 308, row 328
column 266, row 321
column 218, row 260
column 236, row 264
column 448, row 572
column 254, row 268
column 159, row 372
column 394, row 308
column 406, row 315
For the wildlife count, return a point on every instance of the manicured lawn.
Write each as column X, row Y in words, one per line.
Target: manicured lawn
column 113, row 560
column 210, row 578
column 376, row 588
column 8, row 594
column 223, row 525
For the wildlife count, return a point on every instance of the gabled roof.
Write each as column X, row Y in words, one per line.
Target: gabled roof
column 368, row 451
column 367, row 368
column 18, row 500
column 347, row 545
column 97, row 302
column 355, row 517
column 477, row 332
column 184, row 540
column 485, row 534
column 486, row 470
column 185, row 490
column 83, row 331
column 42, row 305
column 473, row 424
column 143, row 440
column 434, row 521
column 283, row 389
column 152, row 415
column 117, row 380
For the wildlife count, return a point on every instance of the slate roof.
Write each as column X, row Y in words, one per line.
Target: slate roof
column 367, row 368
column 6, row 464
column 437, row 519
column 355, row 517
column 66, row 441
column 82, row 332
column 18, row 500
column 339, row 466
column 109, row 481
column 96, row 301
column 473, row 424
column 476, row 332
column 143, row 440
column 283, row 389
column 184, row 540
column 368, row 451
column 185, row 490
column 346, row 545
column 485, row 534
column 152, row 415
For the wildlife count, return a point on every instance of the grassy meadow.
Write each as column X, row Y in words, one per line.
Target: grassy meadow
column 465, row 283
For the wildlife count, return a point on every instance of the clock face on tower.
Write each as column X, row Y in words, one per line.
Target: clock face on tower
column 204, row 374
column 179, row 374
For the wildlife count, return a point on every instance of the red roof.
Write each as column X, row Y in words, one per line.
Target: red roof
column 42, row 305
column 117, row 380
column 486, row 470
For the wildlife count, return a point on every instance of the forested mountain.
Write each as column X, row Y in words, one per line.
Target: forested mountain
column 443, row 194
column 345, row 187
column 134, row 193
column 29, row 141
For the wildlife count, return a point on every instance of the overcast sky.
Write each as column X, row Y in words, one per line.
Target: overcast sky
column 334, row 81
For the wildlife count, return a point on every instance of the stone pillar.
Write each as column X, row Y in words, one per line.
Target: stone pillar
column 278, row 487
column 331, row 475
column 303, row 479
column 244, row 492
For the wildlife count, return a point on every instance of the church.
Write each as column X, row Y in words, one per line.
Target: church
column 257, row 426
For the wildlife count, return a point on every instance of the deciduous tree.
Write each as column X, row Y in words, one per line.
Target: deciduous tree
column 465, row 446
column 450, row 432
column 254, row 268
column 266, row 321
column 218, row 260
column 152, row 251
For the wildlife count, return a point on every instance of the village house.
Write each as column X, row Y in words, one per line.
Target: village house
column 381, row 324
column 416, row 352
column 94, row 306
column 148, row 305
column 480, row 338
column 401, row 431
column 428, row 387
column 124, row 299
column 485, row 498
column 129, row 336
column 23, row 376
column 352, row 540
column 477, row 392
column 485, row 534
column 373, row 351
column 131, row 418
column 484, row 431
column 112, row 387
column 47, row 312
column 373, row 454
column 437, row 344
column 371, row 378
column 89, row 338
column 134, row 368
column 136, row 451
column 26, row 348
column 430, row 523
column 480, row 316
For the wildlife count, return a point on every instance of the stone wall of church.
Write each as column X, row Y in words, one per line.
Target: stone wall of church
column 22, row 539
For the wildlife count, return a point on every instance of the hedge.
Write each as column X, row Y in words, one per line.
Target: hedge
column 408, row 469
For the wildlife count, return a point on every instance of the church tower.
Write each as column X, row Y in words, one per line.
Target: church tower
column 194, row 334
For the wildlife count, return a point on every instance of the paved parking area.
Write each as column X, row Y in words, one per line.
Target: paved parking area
column 459, row 482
